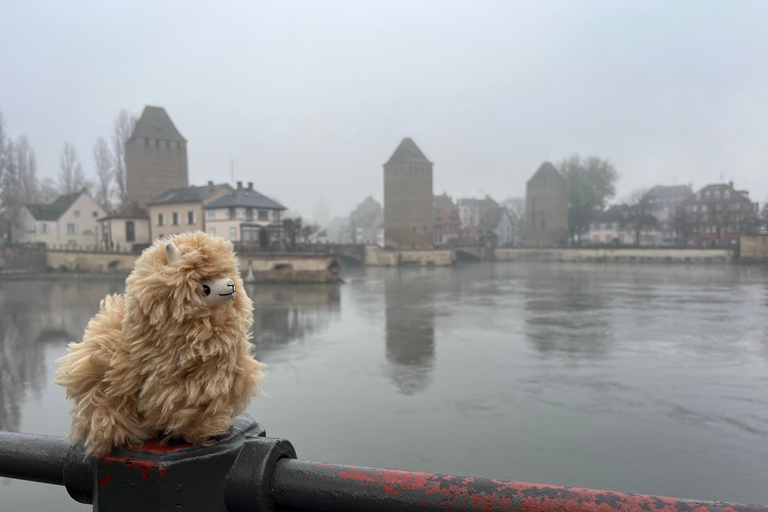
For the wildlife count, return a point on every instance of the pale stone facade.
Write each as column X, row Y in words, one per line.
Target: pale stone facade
column 244, row 215
column 124, row 228
column 408, row 216
column 155, row 157
column 546, row 209
column 71, row 220
column 181, row 210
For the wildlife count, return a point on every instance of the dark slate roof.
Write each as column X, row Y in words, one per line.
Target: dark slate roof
column 663, row 192
column 244, row 197
column 443, row 201
column 154, row 123
column 55, row 209
column 407, row 153
column 132, row 211
column 191, row 194
column 742, row 195
column 545, row 173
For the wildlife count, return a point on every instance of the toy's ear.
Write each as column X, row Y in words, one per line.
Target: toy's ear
column 172, row 252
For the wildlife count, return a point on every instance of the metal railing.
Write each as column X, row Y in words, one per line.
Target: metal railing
column 246, row 471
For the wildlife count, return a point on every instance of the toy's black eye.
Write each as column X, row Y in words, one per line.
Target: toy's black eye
column 206, row 289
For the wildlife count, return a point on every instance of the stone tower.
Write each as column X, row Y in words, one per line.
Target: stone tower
column 546, row 209
column 408, row 218
column 155, row 157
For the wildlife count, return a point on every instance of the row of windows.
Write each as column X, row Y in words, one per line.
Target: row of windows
column 718, row 207
column 242, row 213
column 730, row 228
column 76, row 213
column 708, row 195
column 409, row 169
column 604, row 226
column 168, row 144
column 175, row 218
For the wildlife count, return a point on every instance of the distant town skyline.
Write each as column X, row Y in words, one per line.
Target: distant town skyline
column 310, row 99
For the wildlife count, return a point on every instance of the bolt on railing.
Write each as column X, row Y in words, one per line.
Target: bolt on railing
column 246, row 471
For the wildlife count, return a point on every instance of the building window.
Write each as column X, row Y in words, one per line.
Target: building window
column 77, row 213
column 250, row 233
column 212, row 231
column 160, row 219
column 263, row 215
column 717, row 194
column 175, row 218
column 232, row 213
column 726, row 194
column 706, row 194
column 607, row 239
column 44, row 228
column 249, row 213
column 146, row 142
column 190, row 217
column 71, row 229
column 157, row 143
column 233, row 234
column 130, row 231
column 168, row 144
column 95, row 214
column 211, row 214
column 703, row 207
column 718, row 207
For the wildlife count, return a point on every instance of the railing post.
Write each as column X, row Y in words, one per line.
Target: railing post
column 154, row 478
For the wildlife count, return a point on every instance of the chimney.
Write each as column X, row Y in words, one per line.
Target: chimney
column 250, row 185
column 730, row 184
column 239, row 184
column 210, row 185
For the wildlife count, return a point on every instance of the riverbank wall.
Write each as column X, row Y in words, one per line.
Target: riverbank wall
column 375, row 256
column 620, row 255
column 256, row 268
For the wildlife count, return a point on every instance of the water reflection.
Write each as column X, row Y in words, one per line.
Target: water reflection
column 33, row 314
column 568, row 313
column 283, row 314
column 410, row 313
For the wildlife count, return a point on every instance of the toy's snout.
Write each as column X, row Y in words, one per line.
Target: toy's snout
column 216, row 291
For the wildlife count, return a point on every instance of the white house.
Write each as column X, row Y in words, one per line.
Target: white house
column 500, row 221
column 245, row 215
column 71, row 220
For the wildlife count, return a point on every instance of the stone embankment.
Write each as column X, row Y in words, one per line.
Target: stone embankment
column 622, row 254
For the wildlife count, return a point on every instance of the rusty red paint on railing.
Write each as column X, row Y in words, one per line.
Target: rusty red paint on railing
column 386, row 489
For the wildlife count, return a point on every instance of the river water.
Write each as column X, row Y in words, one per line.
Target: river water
column 650, row 379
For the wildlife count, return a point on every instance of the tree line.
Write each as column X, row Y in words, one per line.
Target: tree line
column 20, row 184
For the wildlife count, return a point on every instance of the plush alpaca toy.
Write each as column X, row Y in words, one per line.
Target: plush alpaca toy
column 169, row 358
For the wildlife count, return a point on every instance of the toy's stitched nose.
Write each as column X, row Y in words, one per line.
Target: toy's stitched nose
column 230, row 286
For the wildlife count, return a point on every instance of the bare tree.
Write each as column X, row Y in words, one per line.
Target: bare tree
column 49, row 191
column 639, row 214
column 26, row 168
column 10, row 197
column 71, row 177
column 307, row 231
column 125, row 122
column 104, row 172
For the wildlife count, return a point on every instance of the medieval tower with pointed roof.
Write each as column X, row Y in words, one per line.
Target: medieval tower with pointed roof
column 546, row 209
column 155, row 157
column 408, row 216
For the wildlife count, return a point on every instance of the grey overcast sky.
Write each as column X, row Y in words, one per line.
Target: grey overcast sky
column 311, row 98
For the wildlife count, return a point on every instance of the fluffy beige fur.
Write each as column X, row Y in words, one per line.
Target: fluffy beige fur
column 158, row 361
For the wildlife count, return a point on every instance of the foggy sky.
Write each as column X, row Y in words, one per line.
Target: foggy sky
column 311, row 98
